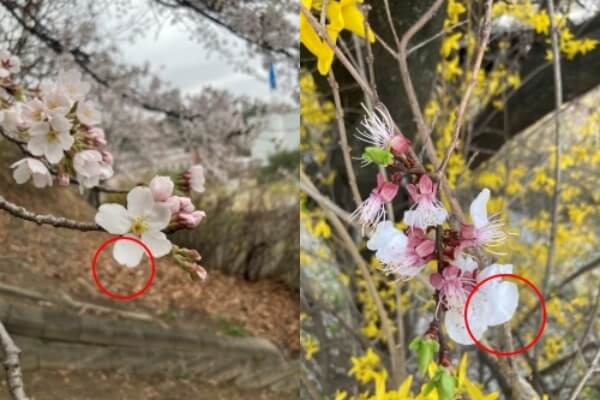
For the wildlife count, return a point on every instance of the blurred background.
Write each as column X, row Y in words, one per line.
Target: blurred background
column 507, row 144
column 179, row 82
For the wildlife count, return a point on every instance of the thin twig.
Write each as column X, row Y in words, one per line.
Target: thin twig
column 557, row 151
column 591, row 370
column 14, row 376
column 339, row 114
column 484, row 38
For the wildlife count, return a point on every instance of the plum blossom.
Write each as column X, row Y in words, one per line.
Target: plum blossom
column 88, row 114
column 427, row 210
column 454, row 286
column 484, row 231
column 381, row 132
column 30, row 168
column 91, row 168
column 372, row 210
column 51, row 139
column 70, row 83
column 400, row 254
column 9, row 64
column 143, row 218
column 494, row 303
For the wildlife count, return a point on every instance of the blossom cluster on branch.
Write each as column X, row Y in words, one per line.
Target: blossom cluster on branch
column 59, row 131
column 427, row 237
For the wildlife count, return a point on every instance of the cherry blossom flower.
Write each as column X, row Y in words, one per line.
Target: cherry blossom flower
column 381, row 132
column 427, row 210
column 402, row 255
column 91, row 168
column 31, row 168
column 9, row 64
column 372, row 210
column 484, row 231
column 143, row 218
column 51, row 139
column 88, row 114
column 194, row 178
column 70, row 83
column 494, row 303
column 162, row 188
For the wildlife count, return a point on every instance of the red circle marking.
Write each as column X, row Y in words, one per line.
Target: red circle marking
column 520, row 350
column 116, row 296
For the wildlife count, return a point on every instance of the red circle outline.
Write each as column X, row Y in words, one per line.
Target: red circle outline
column 122, row 297
column 520, row 350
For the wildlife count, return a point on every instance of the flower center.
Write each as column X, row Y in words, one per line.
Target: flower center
column 138, row 226
column 52, row 136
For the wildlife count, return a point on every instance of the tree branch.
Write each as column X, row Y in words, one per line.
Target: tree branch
column 46, row 219
column 14, row 377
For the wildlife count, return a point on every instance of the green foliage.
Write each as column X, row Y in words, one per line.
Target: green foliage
column 424, row 349
column 232, row 328
column 378, row 156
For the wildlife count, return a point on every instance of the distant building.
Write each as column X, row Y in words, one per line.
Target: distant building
column 276, row 132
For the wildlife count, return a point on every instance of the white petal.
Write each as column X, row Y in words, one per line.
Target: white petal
column 384, row 231
column 478, row 208
column 66, row 140
column 456, row 329
column 139, row 201
column 158, row 243
column 39, row 129
column 114, row 218
column 159, row 217
column 504, row 303
column 54, row 152
column 60, row 123
column 42, row 180
column 37, row 145
column 21, row 174
column 494, row 269
column 128, row 253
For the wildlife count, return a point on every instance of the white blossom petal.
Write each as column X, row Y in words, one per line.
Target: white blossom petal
column 158, row 243
column 455, row 326
column 159, row 217
column 478, row 209
column 128, row 253
column 139, row 201
column 54, row 152
column 21, row 173
column 114, row 218
column 504, row 304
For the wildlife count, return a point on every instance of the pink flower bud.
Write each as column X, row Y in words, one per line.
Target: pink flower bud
column 186, row 205
column 399, row 144
column 97, row 136
column 107, row 157
column 161, row 187
column 191, row 220
column 174, row 204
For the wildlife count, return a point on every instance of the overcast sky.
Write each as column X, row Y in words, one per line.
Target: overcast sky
column 187, row 65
